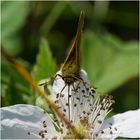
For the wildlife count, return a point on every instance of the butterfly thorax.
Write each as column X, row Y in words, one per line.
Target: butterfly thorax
column 70, row 73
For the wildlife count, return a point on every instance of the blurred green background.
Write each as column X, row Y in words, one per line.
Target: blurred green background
column 39, row 34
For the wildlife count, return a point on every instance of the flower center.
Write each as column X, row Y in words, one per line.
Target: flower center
column 84, row 111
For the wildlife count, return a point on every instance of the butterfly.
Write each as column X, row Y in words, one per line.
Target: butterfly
column 71, row 72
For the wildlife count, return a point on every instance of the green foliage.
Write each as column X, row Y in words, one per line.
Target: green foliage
column 13, row 17
column 14, row 88
column 109, row 61
column 45, row 65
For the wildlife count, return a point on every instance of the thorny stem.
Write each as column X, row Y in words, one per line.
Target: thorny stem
column 23, row 72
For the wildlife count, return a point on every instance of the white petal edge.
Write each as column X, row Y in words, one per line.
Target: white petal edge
column 126, row 124
column 19, row 120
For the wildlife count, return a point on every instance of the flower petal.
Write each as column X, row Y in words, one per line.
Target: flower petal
column 26, row 122
column 60, row 92
column 122, row 125
column 74, row 98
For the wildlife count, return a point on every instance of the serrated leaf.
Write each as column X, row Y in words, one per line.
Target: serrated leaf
column 45, row 66
column 109, row 61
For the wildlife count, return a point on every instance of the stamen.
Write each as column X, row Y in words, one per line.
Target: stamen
column 115, row 128
column 44, row 125
column 102, row 132
column 81, row 107
column 99, row 121
column 111, row 132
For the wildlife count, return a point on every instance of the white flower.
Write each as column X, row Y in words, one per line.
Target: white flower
column 26, row 122
column 81, row 108
column 78, row 105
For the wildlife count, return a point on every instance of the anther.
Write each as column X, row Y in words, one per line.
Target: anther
column 62, row 125
column 83, row 91
column 77, row 98
column 110, row 123
column 115, row 128
column 69, row 96
column 57, row 95
column 84, row 112
column 102, row 131
column 56, row 101
column 91, row 109
column 44, row 125
column 98, row 114
column 96, row 135
column 87, row 89
column 40, row 133
column 81, row 103
column 99, row 121
column 61, row 95
column 111, row 132
column 88, row 113
column 92, row 90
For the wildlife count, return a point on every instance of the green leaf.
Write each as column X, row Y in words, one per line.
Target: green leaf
column 14, row 87
column 11, row 94
column 13, row 16
column 45, row 66
column 109, row 61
